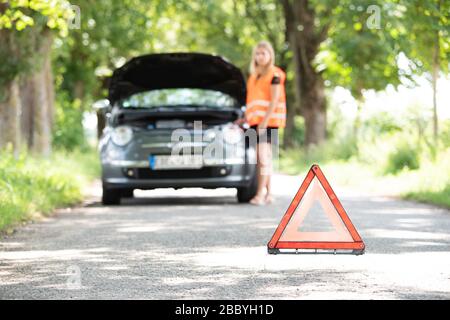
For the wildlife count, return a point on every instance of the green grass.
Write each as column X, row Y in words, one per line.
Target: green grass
column 31, row 186
column 429, row 183
column 440, row 197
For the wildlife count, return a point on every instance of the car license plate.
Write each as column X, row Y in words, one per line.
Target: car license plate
column 170, row 124
column 162, row 162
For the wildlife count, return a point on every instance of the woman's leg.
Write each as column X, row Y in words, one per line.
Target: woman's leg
column 273, row 143
column 269, row 198
column 264, row 167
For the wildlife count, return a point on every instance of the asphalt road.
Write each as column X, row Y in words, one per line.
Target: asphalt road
column 202, row 244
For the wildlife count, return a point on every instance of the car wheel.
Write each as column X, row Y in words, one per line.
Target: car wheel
column 111, row 196
column 245, row 194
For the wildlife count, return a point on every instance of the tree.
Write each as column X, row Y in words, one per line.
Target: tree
column 26, row 37
column 428, row 23
column 361, row 54
column 308, row 24
column 111, row 32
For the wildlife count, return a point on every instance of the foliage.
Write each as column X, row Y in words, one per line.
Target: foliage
column 428, row 24
column 68, row 131
column 428, row 183
column 382, row 122
column 20, row 14
column 439, row 197
column 111, row 32
column 360, row 55
column 391, row 158
column 445, row 134
column 21, row 22
column 405, row 155
column 32, row 185
column 353, row 55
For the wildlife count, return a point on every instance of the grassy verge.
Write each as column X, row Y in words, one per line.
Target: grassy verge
column 429, row 183
column 31, row 186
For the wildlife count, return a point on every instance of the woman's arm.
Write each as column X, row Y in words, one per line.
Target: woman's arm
column 275, row 90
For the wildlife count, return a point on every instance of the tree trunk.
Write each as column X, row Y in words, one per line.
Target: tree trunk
column 41, row 128
column 435, row 115
column 357, row 122
column 291, row 110
column 314, row 112
column 10, row 111
column 359, row 96
column 78, row 90
column 435, row 77
column 49, row 80
column 26, row 97
column 309, row 83
column 42, row 95
column 37, row 109
column 10, row 105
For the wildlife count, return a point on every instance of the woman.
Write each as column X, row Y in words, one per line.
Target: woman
column 265, row 113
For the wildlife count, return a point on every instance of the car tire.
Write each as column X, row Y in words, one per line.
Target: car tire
column 111, row 196
column 245, row 194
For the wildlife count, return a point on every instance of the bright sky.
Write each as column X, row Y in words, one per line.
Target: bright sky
column 399, row 100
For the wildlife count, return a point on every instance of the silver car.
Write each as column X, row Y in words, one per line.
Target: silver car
column 170, row 123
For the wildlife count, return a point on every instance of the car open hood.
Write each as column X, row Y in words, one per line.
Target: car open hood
column 177, row 70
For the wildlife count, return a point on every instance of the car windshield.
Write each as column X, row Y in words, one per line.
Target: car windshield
column 179, row 97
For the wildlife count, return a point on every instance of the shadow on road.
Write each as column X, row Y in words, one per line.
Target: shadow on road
column 386, row 225
column 177, row 246
column 191, row 201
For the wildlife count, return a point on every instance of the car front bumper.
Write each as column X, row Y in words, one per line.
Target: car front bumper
column 140, row 177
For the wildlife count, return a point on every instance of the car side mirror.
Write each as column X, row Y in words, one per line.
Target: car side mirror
column 102, row 108
column 102, row 105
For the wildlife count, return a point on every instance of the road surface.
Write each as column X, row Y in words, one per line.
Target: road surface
column 202, row 244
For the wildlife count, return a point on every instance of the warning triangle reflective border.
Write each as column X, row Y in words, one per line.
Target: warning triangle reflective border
column 344, row 237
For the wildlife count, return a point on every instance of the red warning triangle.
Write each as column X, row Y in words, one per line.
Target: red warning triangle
column 316, row 219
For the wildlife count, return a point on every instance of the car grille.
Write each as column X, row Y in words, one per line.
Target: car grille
column 205, row 172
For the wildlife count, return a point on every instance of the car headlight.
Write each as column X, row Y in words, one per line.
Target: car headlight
column 210, row 135
column 121, row 135
column 232, row 134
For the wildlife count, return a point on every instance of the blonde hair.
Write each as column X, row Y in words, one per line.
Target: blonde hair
column 268, row 47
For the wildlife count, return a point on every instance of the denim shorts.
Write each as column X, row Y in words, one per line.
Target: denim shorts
column 269, row 135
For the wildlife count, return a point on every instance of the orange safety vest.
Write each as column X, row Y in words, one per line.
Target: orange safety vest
column 259, row 97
